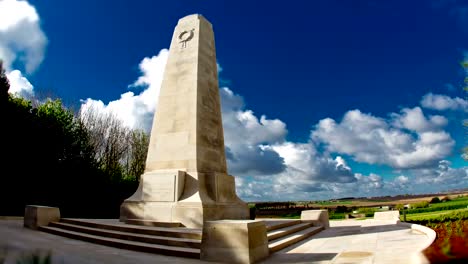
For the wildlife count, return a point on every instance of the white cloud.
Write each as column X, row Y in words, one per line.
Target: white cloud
column 369, row 183
column 19, row 85
column 272, row 168
column 243, row 125
column 245, row 134
column 443, row 102
column 406, row 140
column 309, row 173
column 136, row 110
column 443, row 175
column 248, row 138
column 21, row 36
column 401, row 181
column 414, row 119
column 230, row 101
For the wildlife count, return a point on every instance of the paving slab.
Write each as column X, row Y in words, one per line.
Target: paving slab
column 358, row 241
column 347, row 241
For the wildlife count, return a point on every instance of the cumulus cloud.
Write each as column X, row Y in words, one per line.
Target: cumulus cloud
column 21, row 36
column 309, row 166
column 255, row 190
column 19, row 85
column 308, row 173
column 443, row 175
column 269, row 167
column 414, row 120
column 136, row 110
column 244, row 159
column 245, row 133
column 369, row 183
column 247, row 138
column 443, row 102
column 22, row 44
column 403, row 141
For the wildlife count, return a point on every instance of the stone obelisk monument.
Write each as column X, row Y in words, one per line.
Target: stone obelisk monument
column 186, row 178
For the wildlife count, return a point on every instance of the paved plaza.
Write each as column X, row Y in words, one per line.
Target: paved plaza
column 346, row 241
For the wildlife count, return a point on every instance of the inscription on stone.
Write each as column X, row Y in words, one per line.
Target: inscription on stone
column 160, row 187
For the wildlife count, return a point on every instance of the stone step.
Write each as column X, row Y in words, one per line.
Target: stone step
column 162, row 240
column 144, row 222
column 180, row 232
column 125, row 244
column 277, row 224
column 278, row 233
column 293, row 238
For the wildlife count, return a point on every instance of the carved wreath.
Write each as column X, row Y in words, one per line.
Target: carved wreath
column 185, row 36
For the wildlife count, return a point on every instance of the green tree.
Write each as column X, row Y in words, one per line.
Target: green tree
column 119, row 150
column 135, row 159
column 399, row 207
column 4, row 85
column 51, row 159
column 341, row 209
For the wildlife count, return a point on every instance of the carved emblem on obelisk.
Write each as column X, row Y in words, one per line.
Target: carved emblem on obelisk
column 186, row 36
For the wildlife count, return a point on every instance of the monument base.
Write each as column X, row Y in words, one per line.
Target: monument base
column 191, row 215
column 186, row 198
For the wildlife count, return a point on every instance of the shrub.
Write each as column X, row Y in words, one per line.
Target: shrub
column 341, row 209
column 423, row 204
column 369, row 212
column 435, row 200
column 451, row 217
column 334, row 215
column 446, row 199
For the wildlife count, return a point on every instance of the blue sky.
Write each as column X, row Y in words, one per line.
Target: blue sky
column 321, row 99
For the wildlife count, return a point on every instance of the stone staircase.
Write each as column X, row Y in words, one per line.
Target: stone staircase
column 167, row 238
column 172, row 241
column 282, row 234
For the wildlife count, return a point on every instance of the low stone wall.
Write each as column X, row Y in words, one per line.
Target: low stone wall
column 234, row 241
column 431, row 234
column 388, row 215
column 420, row 258
column 316, row 216
column 37, row 215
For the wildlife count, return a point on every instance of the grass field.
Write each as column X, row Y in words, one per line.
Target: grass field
column 334, row 203
column 430, row 215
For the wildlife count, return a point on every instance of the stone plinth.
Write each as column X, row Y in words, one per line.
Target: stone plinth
column 36, row 215
column 186, row 178
column 388, row 215
column 241, row 241
column 316, row 217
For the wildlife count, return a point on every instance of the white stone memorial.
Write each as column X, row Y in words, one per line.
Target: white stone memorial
column 186, row 178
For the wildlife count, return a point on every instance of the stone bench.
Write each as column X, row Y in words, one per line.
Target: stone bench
column 37, row 215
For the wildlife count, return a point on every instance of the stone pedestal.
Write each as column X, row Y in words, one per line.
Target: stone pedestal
column 388, row 215
column 316, row 217
column 186, row 178
column 234, row 241
column 36, row 215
